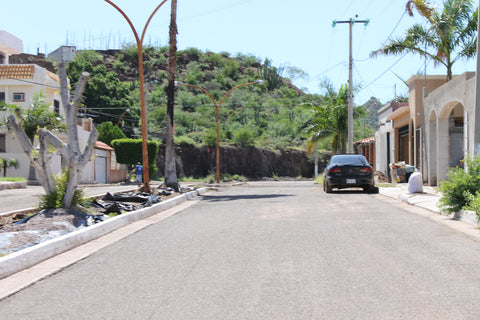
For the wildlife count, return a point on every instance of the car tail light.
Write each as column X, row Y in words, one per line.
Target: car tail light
column 335, row 170
column 366, row 170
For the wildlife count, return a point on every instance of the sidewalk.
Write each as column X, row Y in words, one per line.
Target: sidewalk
column 429, row 199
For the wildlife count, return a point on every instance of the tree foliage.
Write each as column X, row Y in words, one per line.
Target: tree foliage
column 129, row 152
column 8, row 163
column 39, row 116
column 330, row 119
column 451, row 34
column 108, row 132
column 272, row 112
column 106, row 97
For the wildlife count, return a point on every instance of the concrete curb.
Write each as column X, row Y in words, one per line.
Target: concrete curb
column 28, row 257
column 430, row 202
column 13, row 185
column 467, row 216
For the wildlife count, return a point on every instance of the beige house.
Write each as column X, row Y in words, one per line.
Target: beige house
column 435, row 131
column 450, row 126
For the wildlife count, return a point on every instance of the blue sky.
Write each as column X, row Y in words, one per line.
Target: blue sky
column 291, row 33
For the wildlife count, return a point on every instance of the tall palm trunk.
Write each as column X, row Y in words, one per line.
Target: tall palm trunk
column 170, row 168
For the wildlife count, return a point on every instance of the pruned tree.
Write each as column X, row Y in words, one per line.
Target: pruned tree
column 75, row 160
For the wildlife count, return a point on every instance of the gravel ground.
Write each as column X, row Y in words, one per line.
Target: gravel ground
column 52, row 223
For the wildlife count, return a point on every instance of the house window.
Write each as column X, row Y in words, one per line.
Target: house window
column 2, row 96
column 18, row 96
column 2, row 143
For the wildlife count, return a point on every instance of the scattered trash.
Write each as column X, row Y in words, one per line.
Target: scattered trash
column 48, row 224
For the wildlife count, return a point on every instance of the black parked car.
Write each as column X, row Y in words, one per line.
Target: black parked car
column 348, row 171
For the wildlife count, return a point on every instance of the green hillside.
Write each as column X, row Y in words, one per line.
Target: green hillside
column 269, row 115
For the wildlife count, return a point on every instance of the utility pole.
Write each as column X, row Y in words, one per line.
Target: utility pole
column 351, row 22
column 475, row 149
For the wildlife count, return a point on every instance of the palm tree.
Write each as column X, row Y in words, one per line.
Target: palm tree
column 329, row 120
column 451, row 34
column 7, row 163
column 425, row 8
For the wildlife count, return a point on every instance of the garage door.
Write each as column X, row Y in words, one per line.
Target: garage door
column 100, row 170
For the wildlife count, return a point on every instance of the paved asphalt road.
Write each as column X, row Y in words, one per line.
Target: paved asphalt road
column 281, row 250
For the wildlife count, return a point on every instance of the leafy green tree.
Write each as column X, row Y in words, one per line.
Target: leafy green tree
column 108, row 132
column 36, row 117
column 105, row 97
column 40, row 116
column 451, row 34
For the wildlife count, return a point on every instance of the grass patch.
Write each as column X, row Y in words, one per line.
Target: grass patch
column 385, row 185
column 319, row 180
column 191, row 179
column 12, row 179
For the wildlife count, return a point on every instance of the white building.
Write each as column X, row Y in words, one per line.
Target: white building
column 9, row 44
column 65, row 53
column 19, row 83
column 384, row 151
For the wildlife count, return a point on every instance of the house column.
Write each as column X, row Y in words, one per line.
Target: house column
column 431, row 156
column 443, row 149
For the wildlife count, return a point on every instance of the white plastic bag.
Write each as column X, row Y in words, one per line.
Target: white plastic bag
column 415, row 183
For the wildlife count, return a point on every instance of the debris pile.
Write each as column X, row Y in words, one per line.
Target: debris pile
column 51, row 223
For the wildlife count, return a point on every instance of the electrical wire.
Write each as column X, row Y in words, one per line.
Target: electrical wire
column 38, row 83
column 388, row 69
column 396, row 26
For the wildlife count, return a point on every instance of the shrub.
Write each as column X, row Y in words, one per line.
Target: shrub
column 129, row 152
column 474, row 203
column 244, row 138
column 55, row 199
column 458, row 190
column 210, row 138
column 184, row 141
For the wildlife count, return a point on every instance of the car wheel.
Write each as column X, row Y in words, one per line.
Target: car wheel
column 327, row 187
column 371, row 189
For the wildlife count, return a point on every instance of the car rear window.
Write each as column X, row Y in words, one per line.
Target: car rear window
column 357, row 160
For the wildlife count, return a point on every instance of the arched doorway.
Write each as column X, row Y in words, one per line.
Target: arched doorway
column 450, row 138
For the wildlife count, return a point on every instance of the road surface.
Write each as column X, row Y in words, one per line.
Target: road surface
column 282, row 250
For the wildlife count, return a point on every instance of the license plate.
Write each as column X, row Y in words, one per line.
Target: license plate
column 351, row 181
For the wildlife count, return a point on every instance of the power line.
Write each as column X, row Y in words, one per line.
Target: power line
column 396, row 26
column 388, row 69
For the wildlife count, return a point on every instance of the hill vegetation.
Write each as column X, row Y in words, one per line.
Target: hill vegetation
column 271, row 115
